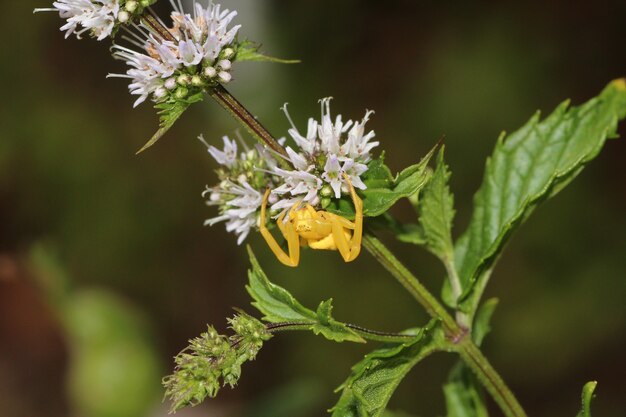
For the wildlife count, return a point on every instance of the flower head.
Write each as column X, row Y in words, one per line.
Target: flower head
column 178, row 61
column 329, row 149
column 97, row 17
column 243, row 179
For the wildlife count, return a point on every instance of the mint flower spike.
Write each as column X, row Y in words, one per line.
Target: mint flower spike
column 169, row 64
column 243, row 178
column 329, row 149
column 212, row 361
column 100, row 18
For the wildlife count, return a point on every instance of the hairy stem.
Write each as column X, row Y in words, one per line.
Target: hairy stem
column 457, row 336
column 490, row 379
column 247, row 119
column 367, row 334
column 411, row 284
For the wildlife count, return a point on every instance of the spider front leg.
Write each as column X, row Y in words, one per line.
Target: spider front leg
column 349, row 249
column 288, row 231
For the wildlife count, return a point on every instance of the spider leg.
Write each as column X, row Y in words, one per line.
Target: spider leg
column 349, row 248
column 288, row 231
column 357, row 234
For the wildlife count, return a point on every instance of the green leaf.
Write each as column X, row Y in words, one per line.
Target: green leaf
column 383, row 191
column 463, row 394
column 375, row 378
column 482, row 322
column 526, row 168
column 436, row 208
column 587, row 396
column 279, row 306
column 169, row 112
column 249, row 51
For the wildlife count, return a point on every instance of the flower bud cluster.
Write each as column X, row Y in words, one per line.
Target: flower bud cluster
column 99, row 18
column 243, row 178
column 172, row 63
column 213, row 360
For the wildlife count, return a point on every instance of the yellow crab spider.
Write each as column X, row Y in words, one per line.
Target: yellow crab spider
column 317, row 229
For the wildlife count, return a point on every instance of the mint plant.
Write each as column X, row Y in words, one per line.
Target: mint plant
column 329, row 189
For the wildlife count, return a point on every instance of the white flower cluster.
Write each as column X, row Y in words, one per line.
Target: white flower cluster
column 179, row 61
column 243, row 180
column 329, row 149
column 98, row 17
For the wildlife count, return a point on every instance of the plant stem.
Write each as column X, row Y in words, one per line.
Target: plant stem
column 490, row 379
column 368, row 334
column 457, row 336
column 247, row 120
column 411, row 284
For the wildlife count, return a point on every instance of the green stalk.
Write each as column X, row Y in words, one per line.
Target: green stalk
column 367, row 334
column 457, row 337
column 411, row 284
column 490, row 379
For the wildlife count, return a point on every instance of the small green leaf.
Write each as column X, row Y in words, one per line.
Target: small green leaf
column 436, row 208
column 383, row 191
column 375, row 378
column 249, row 51
column 169, row 112
column 587, row 396
column 464, row 397
column 526, row 168
column 279, row 306
column 482, row 322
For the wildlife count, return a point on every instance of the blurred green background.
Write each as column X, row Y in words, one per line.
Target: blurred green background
column 106, row 270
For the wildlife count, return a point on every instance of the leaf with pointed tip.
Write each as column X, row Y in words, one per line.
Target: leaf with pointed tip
column 526, row 168
column 463, row 394
column 375, row 378
column 436, row 210
column 279, row 306
column 587, row 396
column 249, row 51
column 383, row 190
column 169, row 112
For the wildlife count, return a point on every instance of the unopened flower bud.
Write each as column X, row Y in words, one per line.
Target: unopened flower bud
column 228, row 53
column 196, row 80
column 145, row 3
column 131, row 6
column 210, row 72
column 224, row 64
column 183, row 79
column 272, row 199
column 325, row 202
column 170, row 83
column 327, row 191
column 123, row 16
column 181, row 93
column 225, row 77
column 160, row 92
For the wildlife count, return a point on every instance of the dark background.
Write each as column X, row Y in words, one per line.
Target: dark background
column 77, row 205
